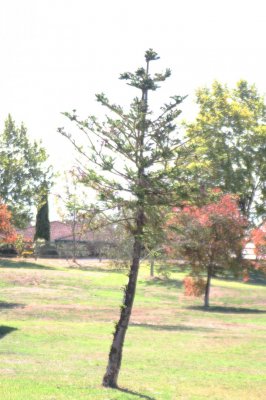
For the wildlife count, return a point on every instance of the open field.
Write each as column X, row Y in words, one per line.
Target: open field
column 55, row 331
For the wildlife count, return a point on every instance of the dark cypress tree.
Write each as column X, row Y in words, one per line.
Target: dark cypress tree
column 42, row 230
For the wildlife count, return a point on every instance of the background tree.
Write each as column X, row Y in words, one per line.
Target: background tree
column 7, row 232
column 72, row 207
column 228, row 139
column 155, row 239
column 23, row 169
column 42, row 230
column 129, row 165
column 112, row 241
column 210, row 238
column 258, row 238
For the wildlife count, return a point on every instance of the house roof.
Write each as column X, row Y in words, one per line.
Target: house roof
column 59, row 231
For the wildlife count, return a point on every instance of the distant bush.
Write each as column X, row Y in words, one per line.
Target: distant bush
column 194, row 286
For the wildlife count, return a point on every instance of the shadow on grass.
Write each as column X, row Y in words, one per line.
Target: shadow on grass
column 95, row 269
column 139, row 395
column 179, row 328
column 168, row 283
column 5, row 330
column 227, row 310
column 256, row 278
column 23, row 264
column 4, row 304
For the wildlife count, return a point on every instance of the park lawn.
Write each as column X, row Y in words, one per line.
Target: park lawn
column 57, row 319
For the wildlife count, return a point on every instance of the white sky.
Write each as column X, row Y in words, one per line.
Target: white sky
column 56, row 54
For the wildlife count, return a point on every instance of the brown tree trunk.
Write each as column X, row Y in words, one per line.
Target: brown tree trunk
column 207, row 288
column 152, row 267
column 115, row 355
column 74, row 244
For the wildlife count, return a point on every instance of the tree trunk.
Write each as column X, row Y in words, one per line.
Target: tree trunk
column 207, row 288
column 152, row 268
column 74, row 237
column 115, row 355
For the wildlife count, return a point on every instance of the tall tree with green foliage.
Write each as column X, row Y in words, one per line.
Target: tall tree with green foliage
column 42, row 230
column 129, row 163
column 23, row 169
column 228, row 138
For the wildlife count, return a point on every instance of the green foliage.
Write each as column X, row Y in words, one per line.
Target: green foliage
column 129, row 160
column 23, row 169
column 120, row 250
column 228, row 141
column 21, row 245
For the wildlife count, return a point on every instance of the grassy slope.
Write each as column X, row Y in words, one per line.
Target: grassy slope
column 55, row 333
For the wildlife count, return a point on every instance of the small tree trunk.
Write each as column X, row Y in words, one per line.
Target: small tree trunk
column 74, row 251
column 35, row 254
column 207, row 288
column 152, row 268
column 74, row 247
column 115, row 355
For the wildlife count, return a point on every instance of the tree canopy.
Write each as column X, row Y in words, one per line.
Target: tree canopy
column 23, row 169
column 229, row 141
column 7, row 232
column 42, row 230
column 209, row 237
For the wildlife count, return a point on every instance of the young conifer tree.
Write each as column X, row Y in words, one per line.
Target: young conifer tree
column 129, row 162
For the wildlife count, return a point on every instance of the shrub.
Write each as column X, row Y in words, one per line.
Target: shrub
column 194, row 286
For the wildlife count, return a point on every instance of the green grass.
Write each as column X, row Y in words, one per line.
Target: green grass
column 57, row 319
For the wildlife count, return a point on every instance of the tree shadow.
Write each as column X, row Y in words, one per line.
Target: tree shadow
column 4, row 304
column 133, row 393
column 256, row 278
column 227, row 310
column 23, row 264
column 168, row 283
column 5, row 330
column 96, row 269
column 179, row 328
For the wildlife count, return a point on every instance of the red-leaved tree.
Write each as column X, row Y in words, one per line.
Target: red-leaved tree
column 7, row 232
column 258, row 238
column 210, row 238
